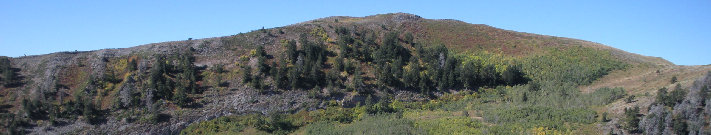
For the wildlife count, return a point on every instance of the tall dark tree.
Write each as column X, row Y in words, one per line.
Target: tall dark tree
column 291, row 52
column 357, row 83
column 246, row 74
column 411, row 76
column 661, row 95
column 181, row 98
column 89, row 112
column 631, row 119
column 489, row 75
column 157, row 79
column 188, row 75
column 293, row 78
column 132, row 65
column 680, row 126
column 469, row 74
column 513, row 75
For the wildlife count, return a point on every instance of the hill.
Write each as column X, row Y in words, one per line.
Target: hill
column 393, row 69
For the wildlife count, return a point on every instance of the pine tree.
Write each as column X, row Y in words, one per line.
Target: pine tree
column 262, row 67
column 513, row 75
column 293, row 78
column 181, row 98
column 424, row 89
column 132, row 65
column 411, row 76
column 661, row 96
column 260, row 51
column 89, row 111
column 158, row 81
column 246, row 74
column 357, row 82
column 291, row 51
column 680, row 126
column 631, row 120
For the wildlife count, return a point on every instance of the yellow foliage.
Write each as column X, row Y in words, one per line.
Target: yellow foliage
column 546, row 131
column 253, row 53
column 121, row 65
column 319, row 32
column 284, row 42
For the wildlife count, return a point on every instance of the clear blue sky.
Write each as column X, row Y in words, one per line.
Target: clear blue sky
column 678, row 31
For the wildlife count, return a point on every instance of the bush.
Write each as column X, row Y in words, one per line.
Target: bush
column 371, row 124
column 673, row 80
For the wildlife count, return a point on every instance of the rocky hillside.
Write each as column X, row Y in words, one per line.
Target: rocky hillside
column 162, row 88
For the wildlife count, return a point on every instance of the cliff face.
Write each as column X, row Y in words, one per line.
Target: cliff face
column 55, row 78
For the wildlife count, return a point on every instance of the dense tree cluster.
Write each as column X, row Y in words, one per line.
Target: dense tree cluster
column 421, row 69
column 670, row 99
column 173, row 78
column 303, row 68
column 681, row 111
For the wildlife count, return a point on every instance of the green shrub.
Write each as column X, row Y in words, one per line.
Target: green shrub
column 370, row 124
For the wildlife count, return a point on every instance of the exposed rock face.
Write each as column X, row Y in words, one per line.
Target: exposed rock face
column 126, row 92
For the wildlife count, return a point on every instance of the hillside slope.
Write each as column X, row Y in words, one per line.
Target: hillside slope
column 115, row 84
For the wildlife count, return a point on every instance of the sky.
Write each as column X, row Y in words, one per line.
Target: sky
column 679, row 31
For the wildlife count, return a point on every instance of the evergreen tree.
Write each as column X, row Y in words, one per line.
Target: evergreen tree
column 411, row 76
column 631, row 120
column 661, row 96
column 409, row 38
column 89, row 111
column 262, row 67
column 343, row 46
column 357, row 83
column 181, row 98
column 423, row 84
column 676, row 96
column 338, row 63
column 291, row 51
column 397, row 68
column 260, row 51
column 513, row 75
column 257, row 83
column 246, row 74
column 489, row 75
column 157, row 80
column 132, row 65
column 293, row 78
column 469, row 75
column 680, row 126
